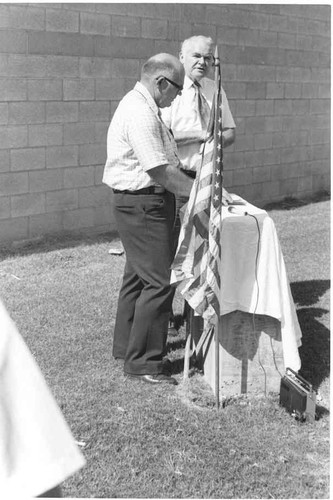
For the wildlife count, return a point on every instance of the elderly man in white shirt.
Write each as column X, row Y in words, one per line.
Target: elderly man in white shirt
column 183, row 116
column 188, row 115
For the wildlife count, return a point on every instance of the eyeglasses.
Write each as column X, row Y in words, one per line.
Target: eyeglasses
column 174, row 84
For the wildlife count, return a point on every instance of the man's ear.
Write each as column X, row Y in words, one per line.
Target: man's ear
column 161, row 82
column 181, row 57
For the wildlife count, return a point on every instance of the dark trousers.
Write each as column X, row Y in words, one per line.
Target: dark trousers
column 145, row 224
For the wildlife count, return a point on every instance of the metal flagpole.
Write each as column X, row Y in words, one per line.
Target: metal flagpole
column 187, row 354
column 217, row 364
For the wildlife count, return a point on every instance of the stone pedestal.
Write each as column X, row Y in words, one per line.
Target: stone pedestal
column 250, row 357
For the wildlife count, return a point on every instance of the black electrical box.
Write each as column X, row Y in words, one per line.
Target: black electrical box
column 297, row 396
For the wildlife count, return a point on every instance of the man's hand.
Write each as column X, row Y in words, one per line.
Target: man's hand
column 173, row 179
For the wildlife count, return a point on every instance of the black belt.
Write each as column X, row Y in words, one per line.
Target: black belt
column 189, row 173
column 147, row 190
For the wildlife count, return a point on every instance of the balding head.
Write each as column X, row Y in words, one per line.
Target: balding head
column 161, row 64
column 163, row 75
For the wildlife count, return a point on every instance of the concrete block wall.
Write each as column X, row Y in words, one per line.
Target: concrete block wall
column 64, row 68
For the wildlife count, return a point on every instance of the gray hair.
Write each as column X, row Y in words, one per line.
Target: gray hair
column 186, row 43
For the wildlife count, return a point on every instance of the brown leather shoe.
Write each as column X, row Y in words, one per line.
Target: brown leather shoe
column 159, row 378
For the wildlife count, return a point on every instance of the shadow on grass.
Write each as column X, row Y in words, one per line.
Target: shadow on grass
column 321, row 412
column 57, row 242
column 177, row 366
column 176, row 345
column 290, row 203
column 315, row 349
column 307, row 293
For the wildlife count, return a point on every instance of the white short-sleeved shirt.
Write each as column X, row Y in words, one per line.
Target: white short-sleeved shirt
column 138, row 140
column 182, row 116
column 37, row 449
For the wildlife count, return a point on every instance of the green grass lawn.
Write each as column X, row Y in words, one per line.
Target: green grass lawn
column 171, row 442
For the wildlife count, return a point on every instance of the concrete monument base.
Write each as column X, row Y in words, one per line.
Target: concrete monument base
column 250, row 357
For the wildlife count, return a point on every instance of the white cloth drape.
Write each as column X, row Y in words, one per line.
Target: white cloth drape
column 257, row 285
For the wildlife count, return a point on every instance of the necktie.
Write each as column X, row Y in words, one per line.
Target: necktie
column 202, row 106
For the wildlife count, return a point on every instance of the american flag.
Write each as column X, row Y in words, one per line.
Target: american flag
column 196, row 267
